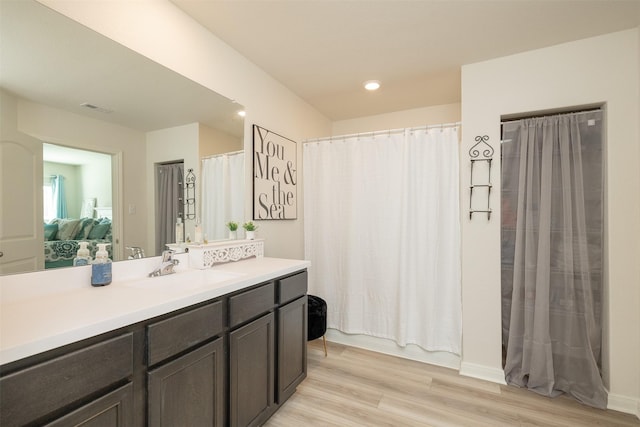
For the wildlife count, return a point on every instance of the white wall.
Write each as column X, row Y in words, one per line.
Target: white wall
column 159, row 30
column 596, row 70
column 214, row 141
column 433, row 115
column 95, row 181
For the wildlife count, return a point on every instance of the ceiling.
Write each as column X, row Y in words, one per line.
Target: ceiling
column 324, row 50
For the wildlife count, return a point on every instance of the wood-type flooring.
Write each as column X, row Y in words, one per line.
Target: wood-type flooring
column 355, row 387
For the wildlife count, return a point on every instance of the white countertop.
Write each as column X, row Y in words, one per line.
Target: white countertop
column 44, row 310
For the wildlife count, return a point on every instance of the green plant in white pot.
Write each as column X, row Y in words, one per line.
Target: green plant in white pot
column 250, row 230
column 233, row 227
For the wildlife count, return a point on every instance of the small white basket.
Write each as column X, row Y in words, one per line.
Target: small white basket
column 206, row 255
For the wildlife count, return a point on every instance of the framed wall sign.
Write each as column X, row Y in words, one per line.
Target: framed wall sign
column 274, row 175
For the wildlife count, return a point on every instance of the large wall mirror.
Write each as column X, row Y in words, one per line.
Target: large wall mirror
column 86, row 119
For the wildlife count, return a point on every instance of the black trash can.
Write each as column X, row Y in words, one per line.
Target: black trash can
column 317, row 319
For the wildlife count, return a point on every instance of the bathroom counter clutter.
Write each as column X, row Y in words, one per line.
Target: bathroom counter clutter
column 40, row 312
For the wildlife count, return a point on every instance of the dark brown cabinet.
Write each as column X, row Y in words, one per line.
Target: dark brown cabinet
column 186, row 378
column 232, row 361
column 251, row 378
column 292, row 347
column 189, row 390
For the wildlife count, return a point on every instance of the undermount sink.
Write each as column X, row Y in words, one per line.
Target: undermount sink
column 184, row 280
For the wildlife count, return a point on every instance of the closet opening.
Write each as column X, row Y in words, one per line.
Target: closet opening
column 552, row 253
column 169, row 197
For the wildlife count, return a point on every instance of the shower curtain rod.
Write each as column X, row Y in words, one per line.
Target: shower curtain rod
column 213, row 156
column 561, row 113
column 383, row 132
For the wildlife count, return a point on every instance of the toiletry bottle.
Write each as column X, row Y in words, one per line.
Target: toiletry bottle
column 83, row 257
column 179, row 231
column 198, row 233
column 101, row 267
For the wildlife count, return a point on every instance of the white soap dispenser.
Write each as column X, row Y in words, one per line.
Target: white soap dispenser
column 83, row 257
column 101, row 267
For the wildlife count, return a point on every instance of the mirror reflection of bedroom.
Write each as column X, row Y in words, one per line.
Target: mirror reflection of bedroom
column 77, row 202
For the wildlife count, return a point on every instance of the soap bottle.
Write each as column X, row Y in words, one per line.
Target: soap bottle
column 83, row 257
column 101, row 267
column 179, row 231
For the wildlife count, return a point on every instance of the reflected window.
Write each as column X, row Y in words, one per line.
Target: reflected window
column 47, row 202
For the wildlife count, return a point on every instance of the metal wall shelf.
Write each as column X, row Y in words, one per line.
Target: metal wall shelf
column 481, row 151
column 190, row 195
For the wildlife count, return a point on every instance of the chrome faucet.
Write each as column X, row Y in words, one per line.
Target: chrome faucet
column 166, row 267
column 136, row 252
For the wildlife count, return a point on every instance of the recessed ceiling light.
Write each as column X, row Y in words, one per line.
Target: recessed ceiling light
column 372, row 85
column 242, row 113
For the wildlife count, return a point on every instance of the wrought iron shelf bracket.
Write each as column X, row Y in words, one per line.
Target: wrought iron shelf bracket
column 190, row 195
column 481, row 151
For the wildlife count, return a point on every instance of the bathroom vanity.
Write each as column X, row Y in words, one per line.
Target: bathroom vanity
column 221, row 346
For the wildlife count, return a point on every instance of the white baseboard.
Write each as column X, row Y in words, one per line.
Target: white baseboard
column 495, row 375
column 382, row 345
column 626, row 404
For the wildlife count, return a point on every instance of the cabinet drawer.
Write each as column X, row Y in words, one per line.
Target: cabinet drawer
column 113, row 409
column 251, row 304
column 178, row 333
column 41, row 389
column 292, row 287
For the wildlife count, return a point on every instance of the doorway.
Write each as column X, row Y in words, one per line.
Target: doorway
column 77, row 188
column 169, row 198
column 552, row 205
column 86, row 175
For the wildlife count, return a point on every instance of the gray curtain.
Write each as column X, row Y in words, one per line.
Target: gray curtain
column 169, row 206
column 552, row 223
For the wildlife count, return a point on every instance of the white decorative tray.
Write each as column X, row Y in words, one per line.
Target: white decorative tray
column 206, row 255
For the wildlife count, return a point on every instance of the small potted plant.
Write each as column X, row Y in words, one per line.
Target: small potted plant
column 233, row 227
column 250, row 229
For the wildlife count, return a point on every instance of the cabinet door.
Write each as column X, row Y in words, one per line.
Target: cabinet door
column 292, row 347
column 111, row 410
column 252, row 365
column 189, row 391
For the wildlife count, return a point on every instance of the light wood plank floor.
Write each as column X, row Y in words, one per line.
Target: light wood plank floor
column 355, row 387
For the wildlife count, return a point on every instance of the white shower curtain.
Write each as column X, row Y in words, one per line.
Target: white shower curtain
column 223, row 193
column 383, row 235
